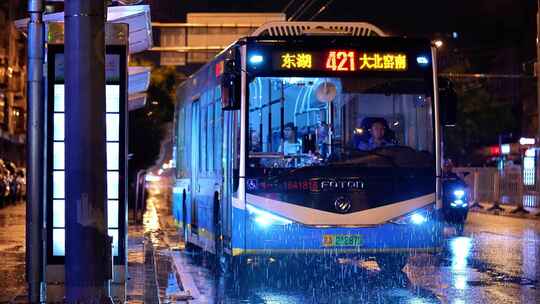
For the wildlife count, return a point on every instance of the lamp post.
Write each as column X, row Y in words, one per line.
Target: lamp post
column 537, row 67
column 88, row 253
column 35, row 158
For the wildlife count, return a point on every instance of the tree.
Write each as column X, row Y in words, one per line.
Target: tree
column 481, row 117
column 146, row 125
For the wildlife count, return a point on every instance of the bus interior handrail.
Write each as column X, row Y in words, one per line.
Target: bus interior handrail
column 266, row 155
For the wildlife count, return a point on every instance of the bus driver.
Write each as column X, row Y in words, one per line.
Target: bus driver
column 377, row 139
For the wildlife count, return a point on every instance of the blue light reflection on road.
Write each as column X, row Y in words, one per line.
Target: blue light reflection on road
column 460, row 248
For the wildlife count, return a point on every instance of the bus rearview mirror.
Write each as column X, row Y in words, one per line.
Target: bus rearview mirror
column 448, row 101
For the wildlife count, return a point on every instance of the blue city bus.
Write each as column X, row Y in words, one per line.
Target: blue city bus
column 313, row 143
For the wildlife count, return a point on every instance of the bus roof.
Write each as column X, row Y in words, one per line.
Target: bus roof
column 287, row 28
column 312, row 33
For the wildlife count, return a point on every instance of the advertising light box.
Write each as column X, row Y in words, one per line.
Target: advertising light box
column 115, row 147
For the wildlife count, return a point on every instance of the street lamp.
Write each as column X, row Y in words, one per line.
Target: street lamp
column 438, row 43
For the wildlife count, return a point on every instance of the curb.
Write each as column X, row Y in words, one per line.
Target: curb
column 189, row 290
column 532, row 215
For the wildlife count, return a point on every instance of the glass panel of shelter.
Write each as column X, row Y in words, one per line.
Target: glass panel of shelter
column 113, row 155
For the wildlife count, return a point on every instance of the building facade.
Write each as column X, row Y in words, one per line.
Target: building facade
column 12, row 85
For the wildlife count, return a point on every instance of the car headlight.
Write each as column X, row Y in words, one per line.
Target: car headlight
column 264, row 218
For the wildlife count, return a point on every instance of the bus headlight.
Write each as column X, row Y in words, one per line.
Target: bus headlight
column 265, row 219
column 417, row 217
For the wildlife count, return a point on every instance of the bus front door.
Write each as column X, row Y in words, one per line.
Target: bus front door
column 195, row 154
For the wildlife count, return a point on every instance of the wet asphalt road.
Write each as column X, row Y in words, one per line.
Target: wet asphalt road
column 12, row 251
column 496, row 260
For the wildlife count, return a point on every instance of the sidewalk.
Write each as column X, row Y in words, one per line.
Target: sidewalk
column 171, row 279
column 534, row 213
column 153, row 277
column 135, row 289
column 151, row 274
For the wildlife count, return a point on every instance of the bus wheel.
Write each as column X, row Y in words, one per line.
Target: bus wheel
column 235, row 267
column 392, row 263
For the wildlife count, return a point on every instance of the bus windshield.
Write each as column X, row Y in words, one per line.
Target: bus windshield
column 323, row 121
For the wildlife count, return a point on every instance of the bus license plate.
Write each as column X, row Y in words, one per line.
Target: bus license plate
column 330, row 240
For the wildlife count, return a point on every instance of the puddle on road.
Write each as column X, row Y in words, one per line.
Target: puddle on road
column 500, row 277
column 458, row 258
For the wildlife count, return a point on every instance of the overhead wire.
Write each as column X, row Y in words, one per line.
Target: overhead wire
column 287, row 6
column 322, row 9
column 301, row 10
column 306, row 9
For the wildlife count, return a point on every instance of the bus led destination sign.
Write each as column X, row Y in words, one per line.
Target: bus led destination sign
column 341, row 61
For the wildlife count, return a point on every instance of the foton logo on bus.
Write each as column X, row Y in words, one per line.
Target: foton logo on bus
column 333, row 184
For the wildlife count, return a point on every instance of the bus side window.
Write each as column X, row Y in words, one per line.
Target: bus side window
column 180, row 139
column 202, row 142
column 210, row 138
column 218, row 131
column 236, row 154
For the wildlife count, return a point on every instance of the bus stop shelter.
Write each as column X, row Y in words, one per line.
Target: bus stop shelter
column 137, row 17
column 128, row 31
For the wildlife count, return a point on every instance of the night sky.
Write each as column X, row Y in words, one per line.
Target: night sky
column 486, row 24
column 491, row 23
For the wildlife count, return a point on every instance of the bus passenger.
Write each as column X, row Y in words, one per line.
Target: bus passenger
column 255, row 141
column 377, row 139
column 290, row 145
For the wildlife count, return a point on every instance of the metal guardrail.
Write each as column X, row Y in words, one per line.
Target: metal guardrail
column 506, row 187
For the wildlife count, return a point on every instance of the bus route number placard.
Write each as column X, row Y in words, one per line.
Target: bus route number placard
column 342, row 61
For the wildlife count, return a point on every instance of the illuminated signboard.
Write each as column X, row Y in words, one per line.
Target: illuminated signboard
column 340, row 61
column 113, row 126
column 115, row 108
column 296, row 61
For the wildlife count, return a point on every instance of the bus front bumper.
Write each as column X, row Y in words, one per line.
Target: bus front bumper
column 295, row 238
